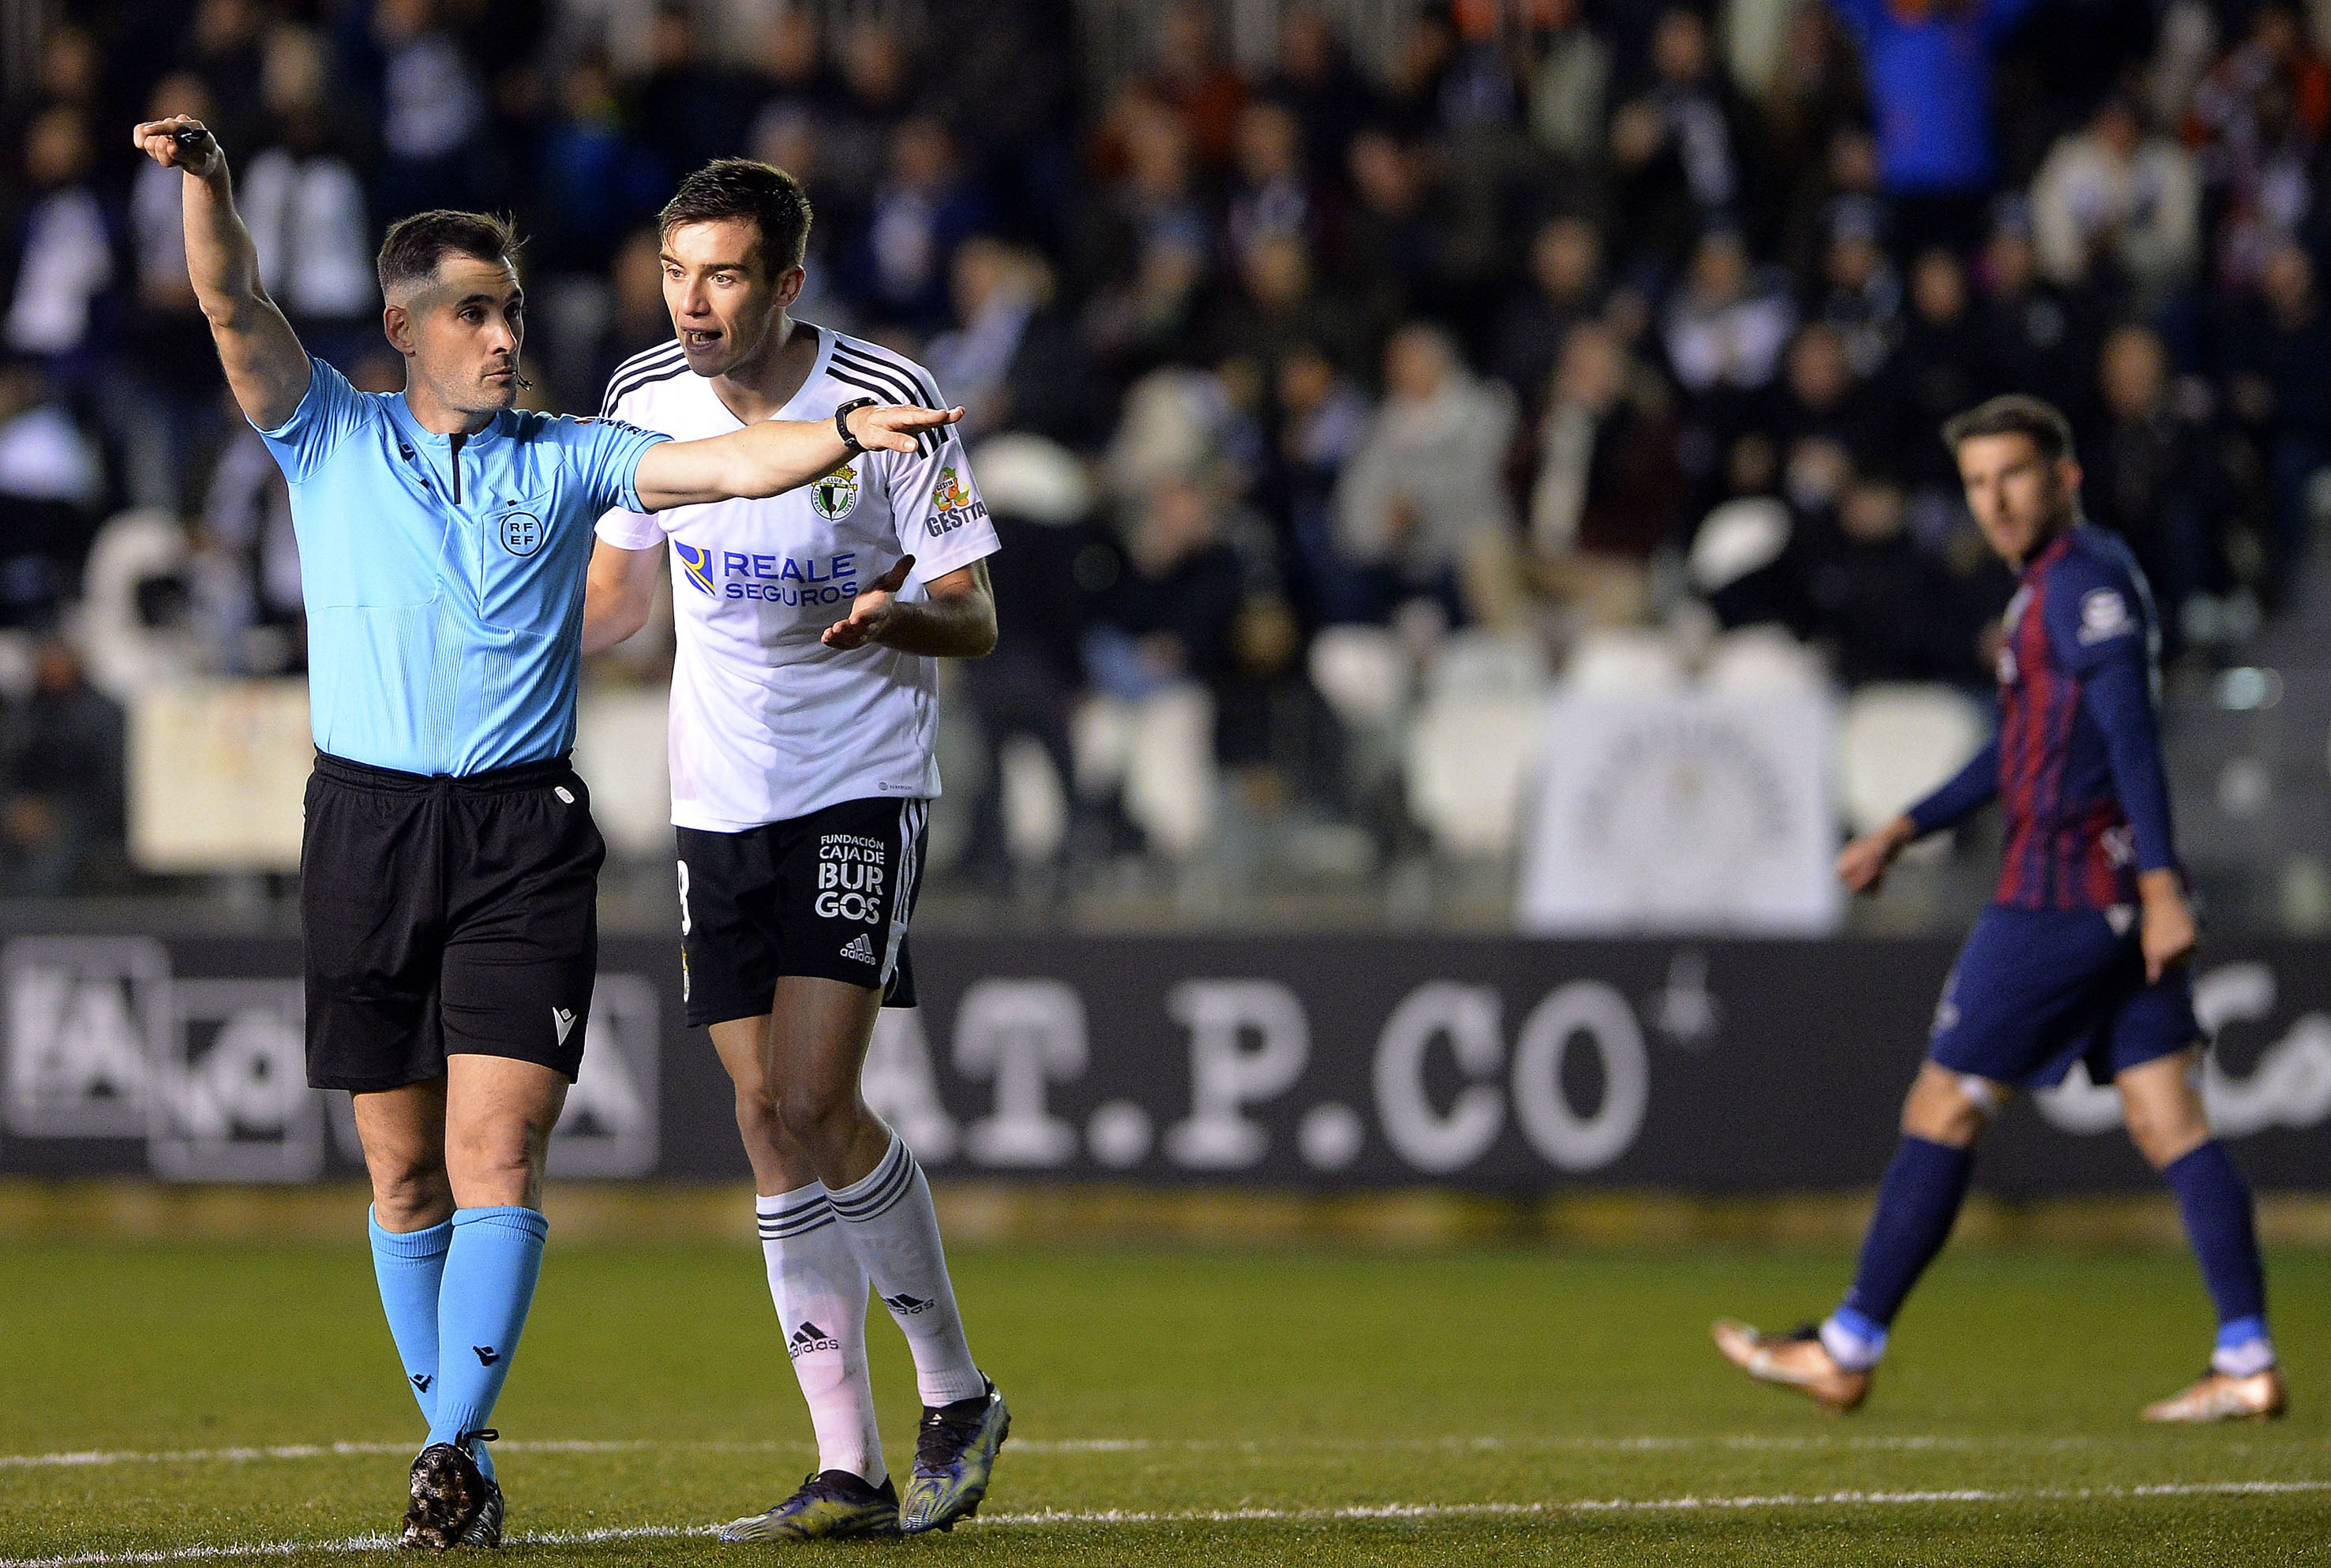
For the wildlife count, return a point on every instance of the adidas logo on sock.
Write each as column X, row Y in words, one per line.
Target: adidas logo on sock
column 807, row 1338
column 907, row 1305
column 859, row 948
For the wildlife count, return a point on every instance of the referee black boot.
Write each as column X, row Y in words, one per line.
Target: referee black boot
column 451, row 1503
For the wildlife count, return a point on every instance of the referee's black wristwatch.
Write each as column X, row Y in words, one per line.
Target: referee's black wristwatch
column 851, row 446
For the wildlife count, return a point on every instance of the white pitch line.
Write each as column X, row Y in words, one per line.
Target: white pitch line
column 244, row 1455
column 1353, row 1514
column 99, row 1458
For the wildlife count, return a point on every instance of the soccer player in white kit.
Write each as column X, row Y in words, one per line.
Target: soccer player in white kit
column 803, row 710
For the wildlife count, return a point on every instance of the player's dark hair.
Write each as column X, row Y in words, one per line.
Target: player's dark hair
column 742, row 189
column 411, row 250
column 2015, row 414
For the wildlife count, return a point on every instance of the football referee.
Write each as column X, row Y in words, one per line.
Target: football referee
column 450, row 863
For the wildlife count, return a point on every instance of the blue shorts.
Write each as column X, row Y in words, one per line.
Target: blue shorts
column 2036, row 989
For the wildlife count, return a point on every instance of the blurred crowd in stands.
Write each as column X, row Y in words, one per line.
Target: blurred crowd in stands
column 1536, row 316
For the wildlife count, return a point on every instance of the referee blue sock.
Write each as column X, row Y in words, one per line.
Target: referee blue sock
column 490, row 1271
column 1917, row 1203
column 2215, row 1202
column 409, row 1265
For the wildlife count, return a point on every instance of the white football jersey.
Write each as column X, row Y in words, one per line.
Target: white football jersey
column 767, row 723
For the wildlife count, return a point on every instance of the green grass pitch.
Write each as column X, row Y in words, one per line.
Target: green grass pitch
column 1182, row 1406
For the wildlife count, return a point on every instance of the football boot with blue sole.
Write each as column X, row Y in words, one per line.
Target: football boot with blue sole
column 954, row 1453
column 830, row 1506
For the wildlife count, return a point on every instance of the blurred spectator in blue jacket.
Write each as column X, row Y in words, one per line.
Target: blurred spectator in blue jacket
column 592, row 184
column 1929, row 65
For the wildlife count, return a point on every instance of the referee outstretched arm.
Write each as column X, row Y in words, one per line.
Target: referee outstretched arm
column 269, row 371
column 265, row 366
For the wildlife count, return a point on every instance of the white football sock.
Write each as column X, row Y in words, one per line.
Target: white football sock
column 895, row 1232
column 2247, row 1359
column 820, row 1290
column 1850, row 1347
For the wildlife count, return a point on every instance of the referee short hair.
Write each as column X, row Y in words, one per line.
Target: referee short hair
column 411, row 250
column 742, row 189
column 2015, row 414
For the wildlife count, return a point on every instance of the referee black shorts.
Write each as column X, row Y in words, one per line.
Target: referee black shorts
column 827, row 895
column 446, row 914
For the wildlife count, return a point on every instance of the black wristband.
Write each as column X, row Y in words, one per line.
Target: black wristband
column 852, row 447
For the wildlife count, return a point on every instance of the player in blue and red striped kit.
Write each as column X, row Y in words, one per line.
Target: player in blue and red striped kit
column 2082, row 955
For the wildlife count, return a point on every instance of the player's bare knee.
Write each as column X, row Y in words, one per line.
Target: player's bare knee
column 2164, row 1134
column 807, row 1117
column 497, row 1163
column 1948, row 1107
column 2161, row 1105
column 410, row 1191
column 756, row 1113
column 821, row 1124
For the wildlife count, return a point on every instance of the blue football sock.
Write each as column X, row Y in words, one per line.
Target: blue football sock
column 409, row 1265
column 490, row 1274
column 2216, row 1204
column 1917, row 1203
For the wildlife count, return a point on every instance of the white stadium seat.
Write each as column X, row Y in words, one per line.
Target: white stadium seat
column 1362, row 673
column 124, row 656
column 1737, row 538
column 1161, row 750
column 622, row 747
column 1038, row 481
column 1482, row 663
column 1899, row 741
column 1100, row 741
column 1624, row 660
column 1035, row 803
column 1757, row 659
column 1169, row 775
column 1468, row 767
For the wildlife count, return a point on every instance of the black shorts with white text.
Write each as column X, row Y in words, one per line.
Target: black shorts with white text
column 828, row 895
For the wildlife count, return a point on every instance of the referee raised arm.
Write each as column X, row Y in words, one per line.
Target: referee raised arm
column 450, row 863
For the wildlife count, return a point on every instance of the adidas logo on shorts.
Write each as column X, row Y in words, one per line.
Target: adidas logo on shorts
column 860, row 948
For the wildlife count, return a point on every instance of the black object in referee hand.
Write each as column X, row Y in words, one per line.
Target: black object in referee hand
column 190, row 138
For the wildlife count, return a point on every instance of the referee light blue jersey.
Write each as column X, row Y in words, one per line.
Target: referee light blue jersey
column 444, row 574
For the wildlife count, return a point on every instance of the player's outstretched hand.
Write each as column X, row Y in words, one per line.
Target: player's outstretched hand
column 1861, row 866
column 2168, row 933
column 894, row 427
column 870, row 611
column 180, row 142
